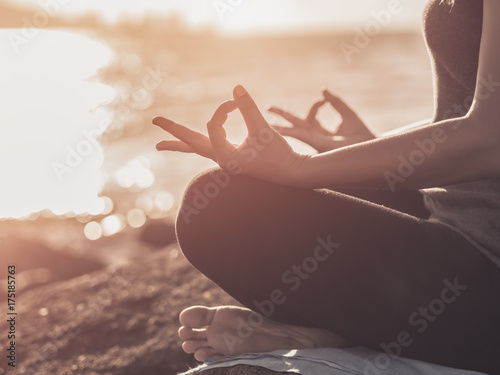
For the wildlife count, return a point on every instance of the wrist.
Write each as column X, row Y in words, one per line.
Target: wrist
column 299, row 171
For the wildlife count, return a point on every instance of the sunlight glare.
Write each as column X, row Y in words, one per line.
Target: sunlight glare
column 50, row 123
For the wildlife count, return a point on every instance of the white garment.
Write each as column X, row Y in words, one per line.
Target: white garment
column 333, row 361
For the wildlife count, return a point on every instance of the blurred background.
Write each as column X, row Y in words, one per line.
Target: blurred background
column 82, row 184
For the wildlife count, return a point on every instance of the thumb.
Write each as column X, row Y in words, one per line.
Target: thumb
column 249, row 110
column 340, row 106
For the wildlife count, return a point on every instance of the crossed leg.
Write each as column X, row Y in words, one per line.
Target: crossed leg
column 329, row 269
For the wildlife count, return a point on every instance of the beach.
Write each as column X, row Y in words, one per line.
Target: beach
column 108, row 302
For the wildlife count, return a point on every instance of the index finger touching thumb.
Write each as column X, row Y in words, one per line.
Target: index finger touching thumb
column 249, row 110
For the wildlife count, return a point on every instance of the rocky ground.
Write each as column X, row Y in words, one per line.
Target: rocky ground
column 113, row 321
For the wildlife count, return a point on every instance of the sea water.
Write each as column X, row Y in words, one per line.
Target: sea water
column 50, row 120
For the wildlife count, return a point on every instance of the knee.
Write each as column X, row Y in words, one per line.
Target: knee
column 219, row 210
column 205, row 209
column 199, row 195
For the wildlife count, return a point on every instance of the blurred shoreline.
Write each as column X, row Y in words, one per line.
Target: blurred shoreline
column 388, row 83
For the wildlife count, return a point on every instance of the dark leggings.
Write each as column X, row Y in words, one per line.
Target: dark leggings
column 364, row 264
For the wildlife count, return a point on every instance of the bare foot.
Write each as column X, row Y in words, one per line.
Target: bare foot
column 215, row 332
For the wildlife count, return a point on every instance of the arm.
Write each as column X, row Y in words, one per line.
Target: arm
column 458, row 150
column 405, row 128
column 443, row 153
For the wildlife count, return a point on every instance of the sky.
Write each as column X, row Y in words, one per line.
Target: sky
column 250, row 16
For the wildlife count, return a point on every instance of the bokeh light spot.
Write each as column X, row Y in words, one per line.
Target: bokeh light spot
column 112, row 224
column 145, row 203
column 43, row 312
column 137, row 172
column 92, row 231
column 164, row 201
column 136, row 218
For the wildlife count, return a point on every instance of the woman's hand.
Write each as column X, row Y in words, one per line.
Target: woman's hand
column 351, row 130
column 263, row 154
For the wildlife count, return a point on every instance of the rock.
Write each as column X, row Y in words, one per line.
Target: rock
column 118, row 320
column 38, row 264
column 158, row 233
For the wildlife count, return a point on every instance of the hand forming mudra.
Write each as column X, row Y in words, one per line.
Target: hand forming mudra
column 264, row 153
column 351, row 129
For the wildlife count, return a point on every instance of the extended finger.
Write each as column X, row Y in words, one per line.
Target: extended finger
column 199, row 143
column 285, row 130
column 180, row 146
column 314, row 109
column 286, row 115
column 249, row 110
column 178, row 131
column 221, row 146
column 342, row 108
column 174, row 146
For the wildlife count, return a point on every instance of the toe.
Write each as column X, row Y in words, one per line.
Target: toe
column 186, row 333
column 204, row 353
column 192, row 346
column 197, row 316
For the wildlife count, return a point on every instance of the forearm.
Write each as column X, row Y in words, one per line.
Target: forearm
column 335, row 142
column 405, row 128
column 438, row 154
